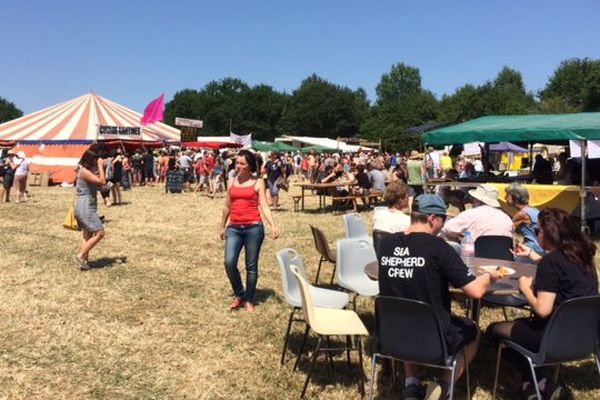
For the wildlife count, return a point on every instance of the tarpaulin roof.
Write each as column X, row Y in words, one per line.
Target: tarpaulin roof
column 519, row 128
column 209, row 145
column 507, row 146
column 271, row 146
column 78, row 119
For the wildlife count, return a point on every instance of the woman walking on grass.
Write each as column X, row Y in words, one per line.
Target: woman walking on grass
column 90, row 178
column 245, row 228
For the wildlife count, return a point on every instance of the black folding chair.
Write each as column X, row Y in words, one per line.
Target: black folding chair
column 410, row 331
column 572, row 334
column 498, row 247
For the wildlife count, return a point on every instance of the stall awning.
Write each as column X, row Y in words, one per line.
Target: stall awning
column 519, row 128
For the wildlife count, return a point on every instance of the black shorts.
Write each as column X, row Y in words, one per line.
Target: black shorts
column 462, row 332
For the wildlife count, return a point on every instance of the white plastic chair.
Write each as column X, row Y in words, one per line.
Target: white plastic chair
column 354, row 226
column 327, row 322
column 323, row 298
column 352, row 257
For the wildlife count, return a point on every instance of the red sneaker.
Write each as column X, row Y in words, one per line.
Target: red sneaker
column 236, row 303
column 249, row 307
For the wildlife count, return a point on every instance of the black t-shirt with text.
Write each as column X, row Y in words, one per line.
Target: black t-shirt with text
column 420, row 266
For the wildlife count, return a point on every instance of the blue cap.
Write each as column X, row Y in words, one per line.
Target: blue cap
column 431, row 204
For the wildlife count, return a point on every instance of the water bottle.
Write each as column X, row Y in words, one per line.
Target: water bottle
column 467, row 249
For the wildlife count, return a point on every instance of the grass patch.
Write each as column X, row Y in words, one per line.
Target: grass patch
column 152, row 320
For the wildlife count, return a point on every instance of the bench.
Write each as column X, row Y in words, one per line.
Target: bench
column 337, row 201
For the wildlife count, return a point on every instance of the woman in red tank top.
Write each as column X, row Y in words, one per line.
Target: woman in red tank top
column 245, row 229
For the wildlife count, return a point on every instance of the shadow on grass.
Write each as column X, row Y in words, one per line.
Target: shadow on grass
column 106, row 262
column 262, row 295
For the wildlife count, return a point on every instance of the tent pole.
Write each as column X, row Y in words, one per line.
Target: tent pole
column 530, row 145
column 582, row 192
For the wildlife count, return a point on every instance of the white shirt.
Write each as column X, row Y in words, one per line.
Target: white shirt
column 481, row 221
column 390, row 221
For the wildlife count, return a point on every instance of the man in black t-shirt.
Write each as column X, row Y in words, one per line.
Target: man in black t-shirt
column 419, row 265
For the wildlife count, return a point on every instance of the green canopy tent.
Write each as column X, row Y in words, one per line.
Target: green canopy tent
column 316, row 148
column 272, row 146
column 524, row 128
column 519, row 128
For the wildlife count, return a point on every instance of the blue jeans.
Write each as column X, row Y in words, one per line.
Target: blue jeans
column 251, row 238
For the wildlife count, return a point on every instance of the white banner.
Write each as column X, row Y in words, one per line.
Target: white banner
column 244, row 140
column 575, row 148
column 593, row 148
column 472, row 149
column 193, row 123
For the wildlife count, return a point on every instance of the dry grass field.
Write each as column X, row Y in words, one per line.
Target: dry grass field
column 151, row 319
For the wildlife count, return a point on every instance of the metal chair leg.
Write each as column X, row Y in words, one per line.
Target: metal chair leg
column 348, row 347
column 361, row 372
column 534, row 376
column 301, row 347
column 329, row 355
column 597, row 362
column 287, row 335
column 319, row 270
column 452, row 378
column 372, row 383
column 556, row 372
column 498, row 357
column 332, row 275
column 312, row 365
column 467, row 377
column 505, row 313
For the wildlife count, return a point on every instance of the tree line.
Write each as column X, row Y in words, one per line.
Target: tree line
column 322, row 108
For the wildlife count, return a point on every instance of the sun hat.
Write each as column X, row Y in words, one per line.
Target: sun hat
column 11, row 152
column 486, row 194
column 414, row 154
column 431, row 204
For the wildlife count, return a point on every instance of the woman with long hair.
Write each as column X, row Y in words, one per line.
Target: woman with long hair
column 241, row 226
column 565, row 271
column 90, row 177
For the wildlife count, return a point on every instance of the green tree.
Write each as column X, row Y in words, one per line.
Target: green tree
column 506, row 95
column 8, row 111
column 401, row 103
column 574, row 86
column 320, row 108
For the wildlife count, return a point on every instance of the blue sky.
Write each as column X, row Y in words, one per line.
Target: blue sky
column 131, row 51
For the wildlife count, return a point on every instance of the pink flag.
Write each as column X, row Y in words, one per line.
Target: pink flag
column 154, row 111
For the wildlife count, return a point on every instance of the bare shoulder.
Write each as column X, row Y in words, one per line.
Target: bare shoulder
column 260, row 184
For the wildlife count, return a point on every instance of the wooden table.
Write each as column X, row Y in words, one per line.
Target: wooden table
column 323, row 192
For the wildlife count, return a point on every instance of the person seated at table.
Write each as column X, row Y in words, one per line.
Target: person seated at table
column 525, row 221
column 363, row 184
column 566, row 271
column 485, row 218
column 376, row 177
column 419, row 265
column 393, row 219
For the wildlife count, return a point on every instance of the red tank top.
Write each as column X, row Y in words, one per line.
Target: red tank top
column 243, row 205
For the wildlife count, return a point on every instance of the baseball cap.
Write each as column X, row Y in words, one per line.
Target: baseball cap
column 430, row 204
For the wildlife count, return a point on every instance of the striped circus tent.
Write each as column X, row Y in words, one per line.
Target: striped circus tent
column 55, row 138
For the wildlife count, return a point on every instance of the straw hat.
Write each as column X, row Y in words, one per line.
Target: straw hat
column 486, row 194
column 414, row 155
column 11, row 152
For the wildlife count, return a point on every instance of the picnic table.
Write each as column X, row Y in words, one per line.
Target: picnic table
column 321, row 190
